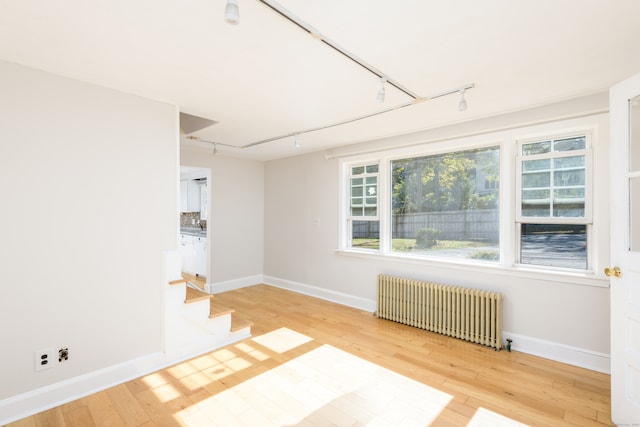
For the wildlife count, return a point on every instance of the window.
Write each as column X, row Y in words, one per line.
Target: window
column 554, row 208
column 446, row 205
column 363, row 219
column 513, row 203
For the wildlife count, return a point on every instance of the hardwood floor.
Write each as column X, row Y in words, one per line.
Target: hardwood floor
column 475, row 385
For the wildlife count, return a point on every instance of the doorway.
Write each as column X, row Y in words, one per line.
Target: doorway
column 194, row 225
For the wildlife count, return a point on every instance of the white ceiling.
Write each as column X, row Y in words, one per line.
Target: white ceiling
column 266, row 77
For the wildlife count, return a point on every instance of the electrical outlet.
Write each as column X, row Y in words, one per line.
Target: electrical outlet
column 63, row 354
column 44, row 358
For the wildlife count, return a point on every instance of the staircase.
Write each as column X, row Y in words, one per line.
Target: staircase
column 217, row 310
column 194, row 323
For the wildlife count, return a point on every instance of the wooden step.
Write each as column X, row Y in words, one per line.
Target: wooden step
column 177, row 282
column 194, row 295
column 217, row 310
column 238, row 323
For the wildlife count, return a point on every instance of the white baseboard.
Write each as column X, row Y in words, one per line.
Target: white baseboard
column 41, row 399
column 326, row 294
column 32, row 402
column 230, row 285
column 570, row 355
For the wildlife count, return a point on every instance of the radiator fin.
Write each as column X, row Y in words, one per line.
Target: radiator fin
column 469, row 314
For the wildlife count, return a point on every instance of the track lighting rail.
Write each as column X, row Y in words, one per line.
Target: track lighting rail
column 232, row 16
column 343, row 122
column 317, row 35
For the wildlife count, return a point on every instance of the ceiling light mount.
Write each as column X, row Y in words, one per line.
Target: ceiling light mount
column 381, row 92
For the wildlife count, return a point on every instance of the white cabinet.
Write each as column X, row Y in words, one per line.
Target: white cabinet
column 200, row 255
column 204, row 200
column 193, row 251
column 183, row 195
column 193, row 196
column 187, row 253
column 189, row 195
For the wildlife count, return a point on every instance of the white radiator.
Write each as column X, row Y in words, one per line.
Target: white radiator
column 469, row 314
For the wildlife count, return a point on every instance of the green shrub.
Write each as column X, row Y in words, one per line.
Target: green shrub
column 486, row 255
column 427, row 238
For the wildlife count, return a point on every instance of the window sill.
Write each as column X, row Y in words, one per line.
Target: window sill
column 518, row 271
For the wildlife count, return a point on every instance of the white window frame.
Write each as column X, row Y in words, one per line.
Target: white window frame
column 595, row 127
column 586, row 219
column 349, row 217
column 587, row 151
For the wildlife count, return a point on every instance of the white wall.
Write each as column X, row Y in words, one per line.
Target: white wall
column 88, row 181
column 559, row 317
column 236, row 219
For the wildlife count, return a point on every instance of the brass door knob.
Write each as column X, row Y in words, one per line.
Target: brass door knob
column 615, row 272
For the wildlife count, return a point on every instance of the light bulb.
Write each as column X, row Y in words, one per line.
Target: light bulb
column 231, row 12
column 462, row 105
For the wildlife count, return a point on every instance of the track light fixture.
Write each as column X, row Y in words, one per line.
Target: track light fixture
column 462, row 105
column 232, row 16
column 381, row 92
column 231, row 12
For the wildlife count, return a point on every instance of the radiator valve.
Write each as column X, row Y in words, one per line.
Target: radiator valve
column 508, row 346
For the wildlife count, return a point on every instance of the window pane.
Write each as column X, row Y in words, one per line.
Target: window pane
column 441, row 205
column 569, row 202
column 536, row 195
column 554, row 245
column 634, row 137
column 574, row 162
column 365, row 235
column 540, row 210
column 372, row 168
column 536, row 165
column 567, row 178
column 570, row 144
column 536, row 148
column 535, row 180
column 536, row 203
column 634, row 214
column 364, row 192
column 567, row 186
column 357, row 199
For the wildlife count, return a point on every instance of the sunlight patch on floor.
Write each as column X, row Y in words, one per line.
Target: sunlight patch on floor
column 252, row 352
column 223, row 355
column 154, row 380
column 486, row 418
column 325, row 386
column 166, row 393
column 282, row 340
column 203, row 370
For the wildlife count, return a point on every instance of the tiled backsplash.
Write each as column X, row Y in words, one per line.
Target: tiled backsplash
column 192, row 219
